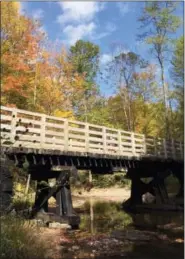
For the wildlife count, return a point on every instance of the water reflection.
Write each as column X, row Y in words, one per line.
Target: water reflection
column 103, row 217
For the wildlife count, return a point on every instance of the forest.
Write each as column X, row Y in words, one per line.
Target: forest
column 37, row 75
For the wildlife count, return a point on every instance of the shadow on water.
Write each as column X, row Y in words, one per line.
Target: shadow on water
column 106, row 231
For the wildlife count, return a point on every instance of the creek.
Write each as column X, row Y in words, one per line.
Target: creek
column 106, row 231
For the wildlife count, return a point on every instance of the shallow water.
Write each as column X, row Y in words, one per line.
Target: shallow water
column 105, row 223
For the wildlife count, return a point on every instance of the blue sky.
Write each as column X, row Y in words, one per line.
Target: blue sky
column 103, row 23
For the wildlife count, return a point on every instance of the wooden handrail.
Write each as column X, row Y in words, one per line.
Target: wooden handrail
column 68, row 135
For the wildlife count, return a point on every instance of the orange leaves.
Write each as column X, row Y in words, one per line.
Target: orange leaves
column 45, row 55
column 20, row 46
column 10, row 105
column 14, row 83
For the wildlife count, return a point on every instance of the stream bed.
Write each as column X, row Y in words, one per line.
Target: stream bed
column 106, row 231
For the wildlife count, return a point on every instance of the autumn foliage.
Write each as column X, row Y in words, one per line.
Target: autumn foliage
column 34, row 76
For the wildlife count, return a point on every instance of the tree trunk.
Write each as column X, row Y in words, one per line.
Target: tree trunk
column 165, row 101
column 90, row 176
column 27, row 185
column 92, row 216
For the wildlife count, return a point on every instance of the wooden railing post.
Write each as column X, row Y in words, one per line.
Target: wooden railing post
column 119, row 142
column 155, row 146
column 13, row 125
column 133, row 144
column 43, row 129
column 87, row 137
column 165, row 148
column 144, row 145
column 104, row 140
column 181, row 150
column 66, row 131
column 173, row 149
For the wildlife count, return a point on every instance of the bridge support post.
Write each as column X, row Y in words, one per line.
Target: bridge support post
column 136, row 192
column 156, row 187
column 41, row 192
column 64, row 206
column 62, row 193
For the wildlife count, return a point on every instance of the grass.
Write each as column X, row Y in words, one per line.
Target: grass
column 20, row 239
column 106, row 216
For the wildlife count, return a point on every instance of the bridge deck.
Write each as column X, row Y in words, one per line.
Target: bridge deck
column 53, row 135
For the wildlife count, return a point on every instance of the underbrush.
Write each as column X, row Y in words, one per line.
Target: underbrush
column 110, row 180
column 20, row 239
column 101, row 180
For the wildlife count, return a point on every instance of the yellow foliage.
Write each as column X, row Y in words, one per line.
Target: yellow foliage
column 64, row 114
column 57, row 84
column 19, row 187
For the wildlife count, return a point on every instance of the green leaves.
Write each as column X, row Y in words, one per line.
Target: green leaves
column 85, row 57
column 159, row 22
column 178, row 60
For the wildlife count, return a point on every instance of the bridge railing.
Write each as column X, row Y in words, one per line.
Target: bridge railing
column 20, row 128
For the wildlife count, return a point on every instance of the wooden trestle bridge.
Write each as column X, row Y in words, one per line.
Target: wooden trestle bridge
column 56, row 147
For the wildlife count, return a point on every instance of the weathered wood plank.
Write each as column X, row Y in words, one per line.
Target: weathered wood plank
column 29, row 121
column 96, row 145
column 54, row 133
column 77, row 143
column 126, row 144
column 112, row 135
column 96, row 133
column 93, row 139
column 6, row 117
column 5, row 126
column 73, row 129
column 111, row 141
column 27, row 137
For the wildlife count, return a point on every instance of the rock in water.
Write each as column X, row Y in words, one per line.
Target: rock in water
column 148, row 198
column 59, row 225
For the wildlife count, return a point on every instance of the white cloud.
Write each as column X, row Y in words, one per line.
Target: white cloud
column 74, row 33
column 78, row 21
column 110, row 27
column 38, row 14
column 79, row 11
column 123, row 8
column 105, row 58
column 98, row 36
